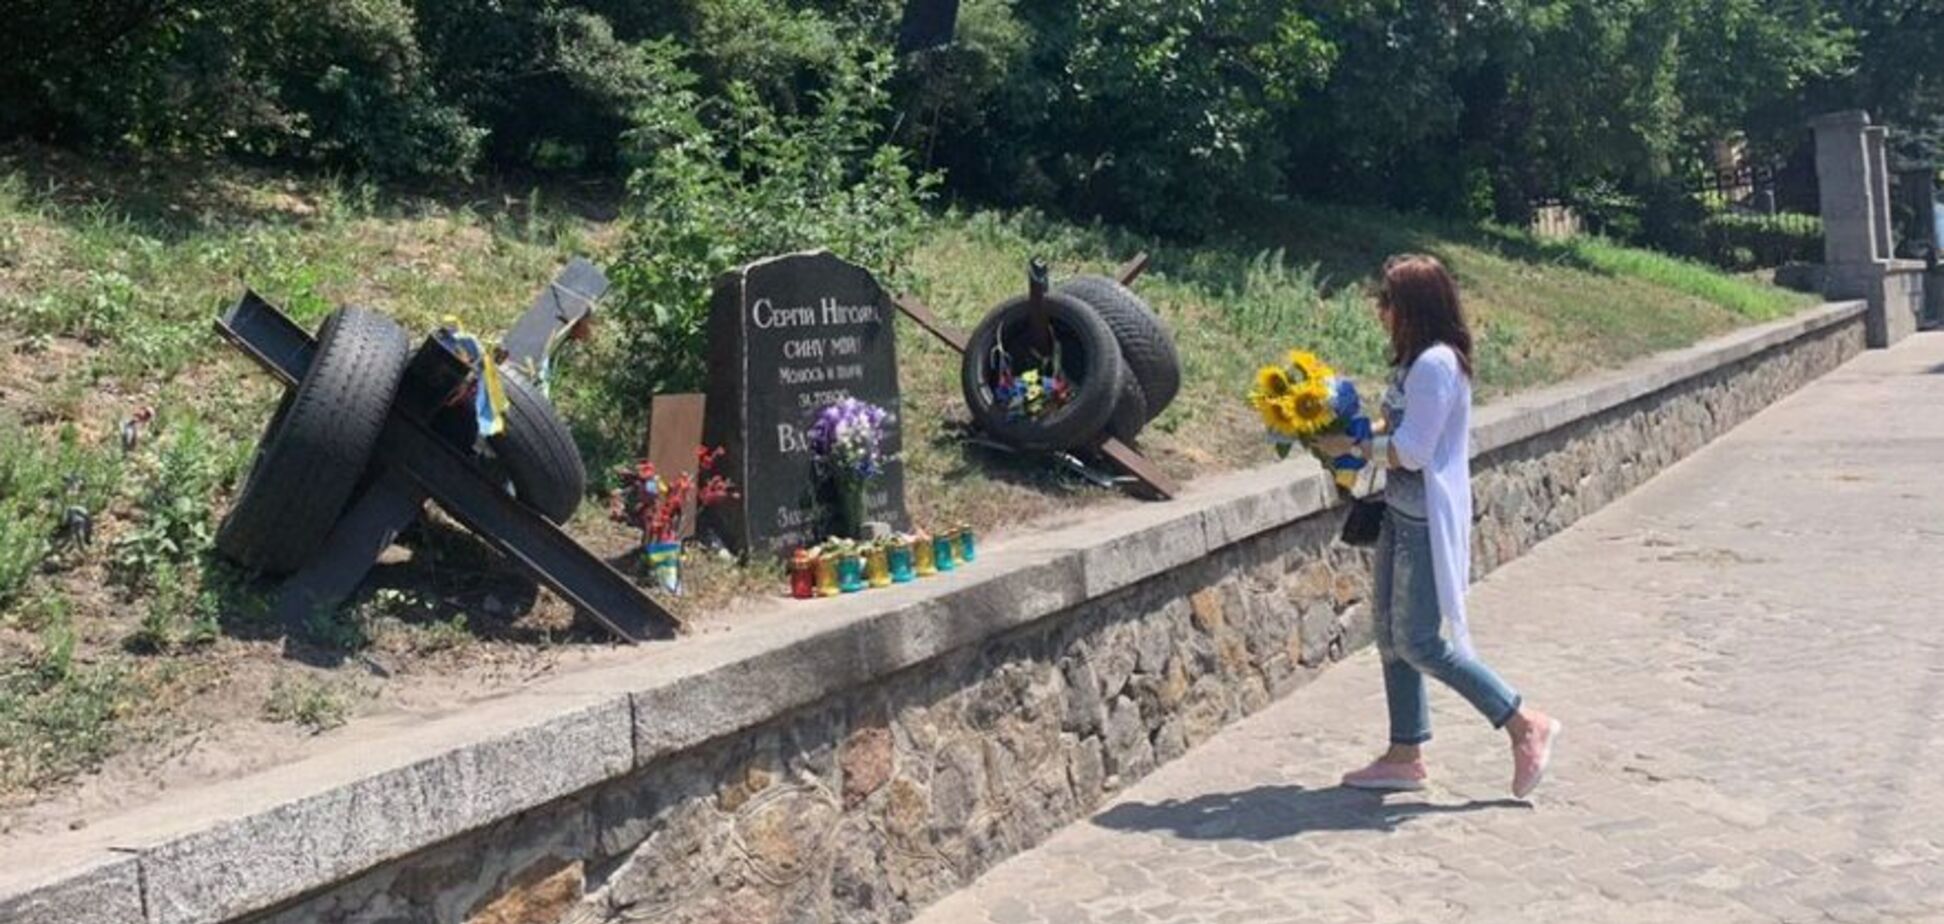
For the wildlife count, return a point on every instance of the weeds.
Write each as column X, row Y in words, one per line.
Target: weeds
column 1749, row 299
column 440, row 635
column 48, row 497
column 1281, row 302
column 175, row 617
column 344, row 631
column 57, row 718
column 175, row 519
column 316, row 705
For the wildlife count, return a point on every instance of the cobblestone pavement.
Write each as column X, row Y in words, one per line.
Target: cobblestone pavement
column 1748, row 654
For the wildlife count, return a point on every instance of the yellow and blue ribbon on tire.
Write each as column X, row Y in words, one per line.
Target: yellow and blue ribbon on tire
column 489, row 399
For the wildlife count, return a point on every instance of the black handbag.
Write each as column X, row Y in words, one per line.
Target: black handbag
column 1366, row 515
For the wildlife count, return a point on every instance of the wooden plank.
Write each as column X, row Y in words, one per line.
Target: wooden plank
column 920, row 312
column 1038, row 322
column 674, row 434
column 1139, row 466
column 1132, row 269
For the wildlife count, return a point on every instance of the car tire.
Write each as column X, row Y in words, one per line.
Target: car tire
column 1092, row 362
column 318, row 444
column 1147, row 346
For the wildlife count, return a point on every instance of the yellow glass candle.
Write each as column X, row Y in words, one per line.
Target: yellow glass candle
column 921, row 549
column 827, row 576
column 877, row 566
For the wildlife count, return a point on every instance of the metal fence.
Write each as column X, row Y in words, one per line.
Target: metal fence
column 1913, row 212
column 1757, row 216
column 1750, row 216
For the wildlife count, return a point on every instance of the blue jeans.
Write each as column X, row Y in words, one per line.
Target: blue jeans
column 1409, row 636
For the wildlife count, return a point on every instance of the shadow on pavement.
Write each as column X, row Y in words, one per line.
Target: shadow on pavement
column 1268, row 813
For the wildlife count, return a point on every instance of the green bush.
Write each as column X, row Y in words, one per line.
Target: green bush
column 730, row 179
column 1742, row 241
column 338, row 81
column 554, row 83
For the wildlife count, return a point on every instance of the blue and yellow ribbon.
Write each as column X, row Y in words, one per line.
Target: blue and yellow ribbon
column 489, row 400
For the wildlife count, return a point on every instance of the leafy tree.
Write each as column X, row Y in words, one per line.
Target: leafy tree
column 334, row 80
column 728, row 179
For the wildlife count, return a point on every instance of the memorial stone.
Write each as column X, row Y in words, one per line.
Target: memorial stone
column 788, row 336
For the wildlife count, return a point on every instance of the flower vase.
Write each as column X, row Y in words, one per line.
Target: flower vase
column 850, row 509
column 665, row 561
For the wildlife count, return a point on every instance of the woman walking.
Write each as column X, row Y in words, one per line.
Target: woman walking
column 1424, row 548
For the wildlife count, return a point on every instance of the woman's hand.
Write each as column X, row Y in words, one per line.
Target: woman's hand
column 1336, row 444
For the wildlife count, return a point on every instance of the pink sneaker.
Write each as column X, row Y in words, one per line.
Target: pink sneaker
column 1388, row 777
column 1530, row 757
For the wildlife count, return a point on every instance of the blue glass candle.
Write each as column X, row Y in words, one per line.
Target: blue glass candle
column 904, row 568
column 942, row 551
column 850, row 573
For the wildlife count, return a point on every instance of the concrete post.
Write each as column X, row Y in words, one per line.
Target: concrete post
column 1842, row 174
column 1882, row 227
column 1852, row 171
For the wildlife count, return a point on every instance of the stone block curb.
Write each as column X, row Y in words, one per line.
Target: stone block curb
column 224, row 851
column 93, row 888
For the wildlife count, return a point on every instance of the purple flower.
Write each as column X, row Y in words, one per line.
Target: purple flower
column 847, row 439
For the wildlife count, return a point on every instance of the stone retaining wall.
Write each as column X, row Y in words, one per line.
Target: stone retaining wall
column 857, row 774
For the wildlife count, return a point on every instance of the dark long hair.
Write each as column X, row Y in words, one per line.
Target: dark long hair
column 1425, row 311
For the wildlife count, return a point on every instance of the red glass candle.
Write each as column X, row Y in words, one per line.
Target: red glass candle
column 803, row 575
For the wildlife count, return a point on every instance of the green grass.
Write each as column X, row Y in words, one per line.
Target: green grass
column 316, row 705
column 1687, row 277
column 1542, row 311
column 110, row 275
column 44, row 475
column 57, row 717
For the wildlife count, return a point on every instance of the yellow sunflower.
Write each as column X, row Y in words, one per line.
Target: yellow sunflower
column 1311, row 368
column 1308, row 408
column 1277, row 414
column 1272, row 382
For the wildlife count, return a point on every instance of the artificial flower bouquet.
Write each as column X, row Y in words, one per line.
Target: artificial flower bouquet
column 1032, row 393
column 1302, row 399
column 658, row 507
column 847, row 441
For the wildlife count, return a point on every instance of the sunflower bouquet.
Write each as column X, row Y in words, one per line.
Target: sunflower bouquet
column 1302, row 399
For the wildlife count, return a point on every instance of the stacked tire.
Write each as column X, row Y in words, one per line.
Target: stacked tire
column 536, row 452
column 318, row 448
column 1115, row 350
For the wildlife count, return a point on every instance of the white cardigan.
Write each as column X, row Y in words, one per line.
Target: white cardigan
column 1435, row 439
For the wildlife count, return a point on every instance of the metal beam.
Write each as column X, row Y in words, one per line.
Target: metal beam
column 411, row 445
